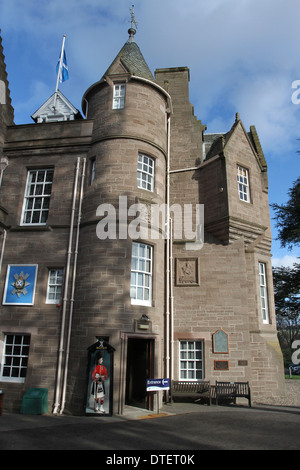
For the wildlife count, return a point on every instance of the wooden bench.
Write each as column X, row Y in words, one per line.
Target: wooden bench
column 232, row 391
column 200, row 389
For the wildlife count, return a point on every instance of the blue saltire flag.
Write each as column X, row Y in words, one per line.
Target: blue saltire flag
column 64, row 71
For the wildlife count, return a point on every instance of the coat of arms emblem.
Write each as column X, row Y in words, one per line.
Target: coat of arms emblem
column 20, row 283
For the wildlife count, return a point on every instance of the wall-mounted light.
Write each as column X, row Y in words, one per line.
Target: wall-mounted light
column 143, row 323
column 144, row 317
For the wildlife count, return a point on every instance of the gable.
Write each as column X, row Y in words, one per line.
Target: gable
column 117, row 68
column 254, row 136
column 56, row 108
column 240, row 140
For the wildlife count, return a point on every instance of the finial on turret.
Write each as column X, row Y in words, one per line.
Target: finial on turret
column 132, row 30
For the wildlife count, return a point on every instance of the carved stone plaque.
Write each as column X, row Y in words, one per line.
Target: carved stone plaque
column 187, row 272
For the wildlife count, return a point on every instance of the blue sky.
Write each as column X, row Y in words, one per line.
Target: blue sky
column 243, row 56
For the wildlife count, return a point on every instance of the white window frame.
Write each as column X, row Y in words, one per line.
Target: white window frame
column 54, row 286
column 145, row 172
column 15, row 358
column 37, row 193
column 263, row 293
column 191, row 363
column 243, row 183
column 119, row 95
column 141, row 274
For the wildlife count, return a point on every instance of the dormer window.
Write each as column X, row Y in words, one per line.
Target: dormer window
column 119, row 96
column 56, row 109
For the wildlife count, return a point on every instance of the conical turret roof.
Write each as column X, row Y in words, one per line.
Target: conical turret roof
column 132, row 58
column 129, row 61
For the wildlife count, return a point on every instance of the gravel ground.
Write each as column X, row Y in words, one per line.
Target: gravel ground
column 291, row 398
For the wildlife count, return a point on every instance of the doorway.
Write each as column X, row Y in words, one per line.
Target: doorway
column 140, row 361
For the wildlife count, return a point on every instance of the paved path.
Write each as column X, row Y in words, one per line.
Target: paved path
column 177, row 428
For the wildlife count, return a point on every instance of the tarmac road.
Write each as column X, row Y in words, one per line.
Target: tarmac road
column 175, row 429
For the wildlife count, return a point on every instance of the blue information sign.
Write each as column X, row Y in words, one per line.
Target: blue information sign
column 154, row 385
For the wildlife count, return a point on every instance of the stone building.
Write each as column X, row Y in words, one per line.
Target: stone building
column 134, row 241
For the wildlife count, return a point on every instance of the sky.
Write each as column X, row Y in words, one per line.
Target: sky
column 243, row 56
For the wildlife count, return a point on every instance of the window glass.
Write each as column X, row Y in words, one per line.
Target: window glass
column 37, row 197
column 145, row 172
column 141, row 274
column 243, row 184
column 93, row 168
column 191, row 360
column 54, row 291
column 263, row 293
column 119, row 96
column 15, row 358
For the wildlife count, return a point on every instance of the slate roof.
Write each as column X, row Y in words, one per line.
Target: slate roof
column 133, row 59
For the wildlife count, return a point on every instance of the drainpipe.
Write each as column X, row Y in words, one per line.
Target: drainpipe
column 168, row 254
column 73, row 291
column 2, row 249
column 63, row 321
column 171, row 302
column 3, row 166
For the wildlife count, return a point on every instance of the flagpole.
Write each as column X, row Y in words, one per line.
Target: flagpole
column 59, row 68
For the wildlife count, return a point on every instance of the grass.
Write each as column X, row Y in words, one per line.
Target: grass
column 297, row 377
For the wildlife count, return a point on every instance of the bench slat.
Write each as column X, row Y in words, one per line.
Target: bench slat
column 233, row 390
column 230, row 390
column 187, row 388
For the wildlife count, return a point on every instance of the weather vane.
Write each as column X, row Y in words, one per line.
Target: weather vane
column 133, row 20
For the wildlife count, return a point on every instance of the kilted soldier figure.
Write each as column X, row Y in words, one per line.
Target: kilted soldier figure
column 99, row 376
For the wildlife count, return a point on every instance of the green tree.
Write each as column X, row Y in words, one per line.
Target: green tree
column 288, row 218
column 287, row 280
column 287, row 305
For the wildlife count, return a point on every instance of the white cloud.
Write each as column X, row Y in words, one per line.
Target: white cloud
column 286, row 261
column 243, row 57
column 242, row 54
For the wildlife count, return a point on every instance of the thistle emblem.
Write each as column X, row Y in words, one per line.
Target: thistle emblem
column 20, row 284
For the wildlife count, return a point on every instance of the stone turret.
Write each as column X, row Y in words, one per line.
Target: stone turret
column 127, row 161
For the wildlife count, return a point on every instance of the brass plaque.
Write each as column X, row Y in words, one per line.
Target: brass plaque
column 221, row 365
